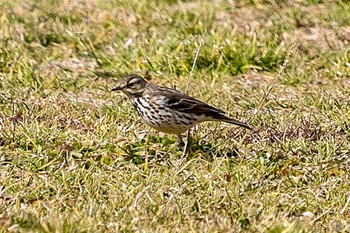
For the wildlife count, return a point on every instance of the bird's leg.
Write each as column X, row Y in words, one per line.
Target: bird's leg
column 188, row 143
column 179, row 140
column 189, row 139
column 179, row 143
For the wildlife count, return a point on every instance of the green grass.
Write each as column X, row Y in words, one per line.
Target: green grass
column 74, row 157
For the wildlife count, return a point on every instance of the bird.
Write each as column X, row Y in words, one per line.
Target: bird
column 168, row 110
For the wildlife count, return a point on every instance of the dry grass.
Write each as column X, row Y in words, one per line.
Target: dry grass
column 74, row 157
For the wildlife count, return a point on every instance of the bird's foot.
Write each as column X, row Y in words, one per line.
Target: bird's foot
column 179, row 143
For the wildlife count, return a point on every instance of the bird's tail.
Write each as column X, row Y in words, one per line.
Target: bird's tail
column 233, row 121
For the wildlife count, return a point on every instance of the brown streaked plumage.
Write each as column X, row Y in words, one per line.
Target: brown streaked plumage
column 169, row 110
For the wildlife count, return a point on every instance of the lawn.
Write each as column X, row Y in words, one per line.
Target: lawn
column 75, row 157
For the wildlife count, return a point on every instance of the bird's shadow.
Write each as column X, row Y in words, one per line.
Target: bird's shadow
column 142, row 150
column 208, row 150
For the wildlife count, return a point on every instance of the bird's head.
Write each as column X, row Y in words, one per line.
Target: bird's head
column 132, row 85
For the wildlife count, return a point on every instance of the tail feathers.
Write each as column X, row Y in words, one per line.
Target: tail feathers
column 233, row 121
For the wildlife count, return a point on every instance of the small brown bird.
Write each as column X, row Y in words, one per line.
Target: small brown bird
column 168, row 110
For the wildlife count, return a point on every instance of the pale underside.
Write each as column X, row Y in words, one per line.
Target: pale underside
column 167, row 121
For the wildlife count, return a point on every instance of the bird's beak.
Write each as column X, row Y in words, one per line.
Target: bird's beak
column 117, row 88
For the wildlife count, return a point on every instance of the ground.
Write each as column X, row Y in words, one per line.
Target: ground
column 75, row 157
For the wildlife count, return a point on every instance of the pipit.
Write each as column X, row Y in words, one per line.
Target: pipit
column 168, row 110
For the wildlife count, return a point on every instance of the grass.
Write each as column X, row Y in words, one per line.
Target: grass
column 74, row 157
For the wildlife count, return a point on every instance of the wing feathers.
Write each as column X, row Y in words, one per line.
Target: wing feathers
column 183, row 103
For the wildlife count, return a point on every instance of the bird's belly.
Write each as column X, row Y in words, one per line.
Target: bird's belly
column 166, row 121
column 168, row 125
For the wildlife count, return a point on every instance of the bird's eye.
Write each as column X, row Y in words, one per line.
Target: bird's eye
column 130, row 85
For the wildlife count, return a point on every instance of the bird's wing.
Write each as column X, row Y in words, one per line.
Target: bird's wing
column 183, row 103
